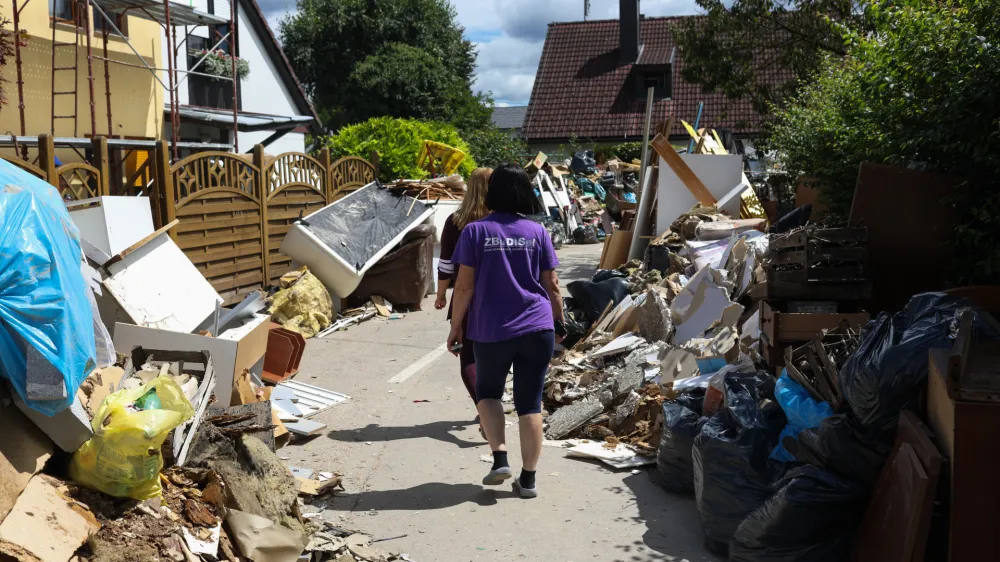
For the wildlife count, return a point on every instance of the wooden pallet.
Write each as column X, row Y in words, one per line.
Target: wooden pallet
column 817, row 264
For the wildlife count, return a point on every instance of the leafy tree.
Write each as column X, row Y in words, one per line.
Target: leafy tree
column 919, row 90
column 761, row 49
column 398, row 143
column 366, row 58
column 492, row 147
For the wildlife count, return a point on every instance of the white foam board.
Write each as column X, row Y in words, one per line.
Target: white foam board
column 112, row 224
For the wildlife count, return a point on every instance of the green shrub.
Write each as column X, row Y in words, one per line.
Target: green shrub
column 398, row 143
column 919, row 91
column 624, row 151
column 492, row 147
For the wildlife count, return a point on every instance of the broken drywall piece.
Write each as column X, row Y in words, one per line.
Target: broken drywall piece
column 45, row 525
column 262, row 540
column 618, row 346
column 677, row 363
column 208, row 547
column 654, row 317
column 708, row 307
column 619, row 457
column 69, row 429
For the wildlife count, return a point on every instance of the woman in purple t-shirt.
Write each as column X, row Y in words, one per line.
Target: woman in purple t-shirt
column 508, row 288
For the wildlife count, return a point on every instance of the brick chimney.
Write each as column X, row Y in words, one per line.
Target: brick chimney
column 628, row 22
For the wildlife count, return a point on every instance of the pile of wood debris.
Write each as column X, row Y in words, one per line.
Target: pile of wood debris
column 450, row 187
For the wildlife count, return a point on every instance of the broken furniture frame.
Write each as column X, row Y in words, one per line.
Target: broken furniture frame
column 815, row 364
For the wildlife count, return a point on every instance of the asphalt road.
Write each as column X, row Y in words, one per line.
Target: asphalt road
column 410, row 452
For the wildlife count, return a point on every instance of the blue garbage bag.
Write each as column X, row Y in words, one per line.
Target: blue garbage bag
column 801, row 409
column 43, row 295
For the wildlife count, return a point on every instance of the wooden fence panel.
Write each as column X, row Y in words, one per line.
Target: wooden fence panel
column 296, row 186
column 217, row 198
column 78, row 180
column 348, row 174
column 26, row 166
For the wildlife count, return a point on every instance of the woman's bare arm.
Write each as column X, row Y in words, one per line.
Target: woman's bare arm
column 550, row 282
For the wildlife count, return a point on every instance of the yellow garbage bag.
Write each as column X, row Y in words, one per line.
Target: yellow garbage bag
column 123, row 459
column 303, row 304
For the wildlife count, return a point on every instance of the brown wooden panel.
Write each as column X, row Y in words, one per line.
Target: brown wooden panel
column 196, row 240
column 221, row 222
column 249, row 249
column 215, row 270
column 251, row 279
column 205, row 206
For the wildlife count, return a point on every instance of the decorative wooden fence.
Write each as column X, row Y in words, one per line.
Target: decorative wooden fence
column 233, row 210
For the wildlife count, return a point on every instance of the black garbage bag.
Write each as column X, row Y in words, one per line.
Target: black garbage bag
column 886, row 373
column 658, row 258
column 576, row 323
column 605, row 274
column 732, row 471
column 844, row 447
column 592, row 297
column 812, row 517
column 585, row 235
column 682, row 421
column 584, row 162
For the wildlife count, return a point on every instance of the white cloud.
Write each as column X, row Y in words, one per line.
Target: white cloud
column 509, row 34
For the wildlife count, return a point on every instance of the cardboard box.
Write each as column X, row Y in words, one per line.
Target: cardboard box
column 796, row 327
column 232, row 352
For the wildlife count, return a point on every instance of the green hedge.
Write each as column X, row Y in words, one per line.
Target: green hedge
column 398, row 143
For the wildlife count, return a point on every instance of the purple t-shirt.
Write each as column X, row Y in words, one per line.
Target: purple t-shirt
column 509, row 254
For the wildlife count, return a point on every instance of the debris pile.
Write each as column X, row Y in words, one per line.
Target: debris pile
column 137, row 422
column 739, row 359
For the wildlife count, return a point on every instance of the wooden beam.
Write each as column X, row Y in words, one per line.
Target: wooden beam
column 677, row 164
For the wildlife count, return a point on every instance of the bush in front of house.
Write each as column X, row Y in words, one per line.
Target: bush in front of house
column 398, row 143
column 918, row 90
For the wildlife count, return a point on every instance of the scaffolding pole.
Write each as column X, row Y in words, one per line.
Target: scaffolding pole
column 236, row 80
column 90, row 67
column 17, row 63
column 107, row 84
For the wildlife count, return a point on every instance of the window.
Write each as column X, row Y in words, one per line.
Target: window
column 72, row 12
column 120, row 20
column 660, row 78
column 204, row 91
column 67, row 11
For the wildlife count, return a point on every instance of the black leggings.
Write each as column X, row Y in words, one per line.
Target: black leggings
column 529, row 354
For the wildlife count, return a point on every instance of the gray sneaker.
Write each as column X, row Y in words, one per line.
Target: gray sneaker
column 525, row 492
column 497, row 476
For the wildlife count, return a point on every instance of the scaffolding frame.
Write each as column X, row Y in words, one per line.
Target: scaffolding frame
column 169, row 16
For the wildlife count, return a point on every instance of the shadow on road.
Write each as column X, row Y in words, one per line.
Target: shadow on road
column 425, row 497
column 439, row 431
column 666, row 520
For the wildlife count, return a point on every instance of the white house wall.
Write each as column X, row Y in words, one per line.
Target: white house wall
column 263, row 91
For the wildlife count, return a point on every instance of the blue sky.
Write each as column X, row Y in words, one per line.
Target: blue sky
column 509, row 34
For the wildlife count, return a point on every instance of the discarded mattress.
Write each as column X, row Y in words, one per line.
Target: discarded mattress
column 342, row 241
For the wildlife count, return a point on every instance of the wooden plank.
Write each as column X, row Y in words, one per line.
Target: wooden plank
column 662, row 147
column 203, row 206
column 251, row 249
column 194, row 242
column 253, row 279
column 293, row 214
column 219, row 269
column 286, row 198
column 212, row 224
column 124, row 253
column 911, row 430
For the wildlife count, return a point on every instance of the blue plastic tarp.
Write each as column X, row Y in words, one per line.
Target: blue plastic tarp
column 801, row 409
column 44, row 299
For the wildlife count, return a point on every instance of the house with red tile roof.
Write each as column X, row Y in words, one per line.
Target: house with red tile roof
column 593, row 77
